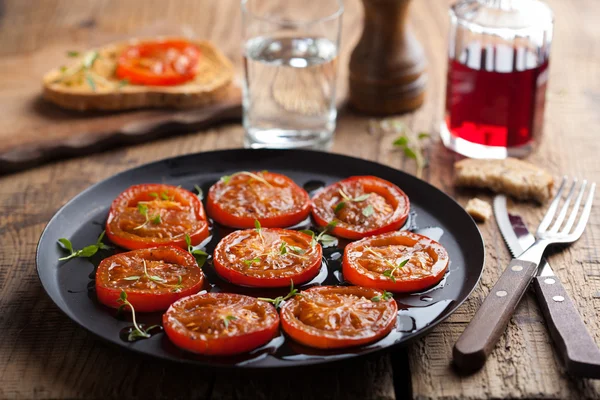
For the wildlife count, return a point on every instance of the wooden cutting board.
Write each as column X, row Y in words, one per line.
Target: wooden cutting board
column 32, row 131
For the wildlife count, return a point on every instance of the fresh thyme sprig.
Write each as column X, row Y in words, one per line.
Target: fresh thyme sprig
column 87, row 72
column 227, row 178
column 164, row 195
column 367, row 211
column 356, row 199
column 283, row 248
column 389, row 273
column 87, row 251
column 156, row 279
column 325, row 239
column 143, row 209
column 258, row 229
column 138, row 332
column 277, row 301
column 409, row 142
column 252, row 261
column 199, row 255
column 227, row 319
column 385, row 296
column 199, row 192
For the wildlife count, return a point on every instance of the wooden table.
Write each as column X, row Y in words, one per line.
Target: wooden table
column 43, row 354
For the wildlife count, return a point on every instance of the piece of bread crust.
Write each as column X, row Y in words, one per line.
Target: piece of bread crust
column 478, row 209
column 214, row 75
column 517, row 178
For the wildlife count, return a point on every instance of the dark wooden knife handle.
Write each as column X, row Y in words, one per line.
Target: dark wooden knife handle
column 481, row 335
column 576, row 347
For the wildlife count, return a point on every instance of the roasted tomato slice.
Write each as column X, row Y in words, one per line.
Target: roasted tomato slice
column 220, row 323
column 362, row 206
column 152, row 278
column 156, row 215
column 331, row 317
column 272, row 199
column 158, row 63
column 268, row 257
column 396, row 261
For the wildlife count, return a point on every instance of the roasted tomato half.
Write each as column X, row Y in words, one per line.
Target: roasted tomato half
column 396, row 261
column 158, row 63
column 331, row 317
column 152, row 278
column 267, row 257
column 156, row 215
column 272, row 199
column 362, row 206
column 220, row 323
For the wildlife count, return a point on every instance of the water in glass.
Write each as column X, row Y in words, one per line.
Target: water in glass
column 289, row 93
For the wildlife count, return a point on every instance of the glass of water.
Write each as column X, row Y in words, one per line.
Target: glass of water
column 290, row 64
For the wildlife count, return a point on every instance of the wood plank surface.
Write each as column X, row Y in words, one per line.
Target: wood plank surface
column 44, row 355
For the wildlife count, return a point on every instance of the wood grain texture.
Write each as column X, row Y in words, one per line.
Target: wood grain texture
column 44, row 355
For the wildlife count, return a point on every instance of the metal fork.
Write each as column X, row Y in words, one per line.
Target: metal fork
column 481, row 335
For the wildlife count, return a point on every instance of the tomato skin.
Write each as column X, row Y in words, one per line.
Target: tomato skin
column 393, row 195
column 223, row 344
column 312, row 336
column 132, row 241
column 221, row 212
column 235, row 272
column 176, row 59
column 147, row 300
column 407, row 282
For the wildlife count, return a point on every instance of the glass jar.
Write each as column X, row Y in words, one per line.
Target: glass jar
column 498, row 58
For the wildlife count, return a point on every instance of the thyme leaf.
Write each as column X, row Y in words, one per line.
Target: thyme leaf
column 199, row 255
column 138, row 332
column 409, row 142
column 385, row 296
column 277, row 301
column 87, row 251
column 227, row 319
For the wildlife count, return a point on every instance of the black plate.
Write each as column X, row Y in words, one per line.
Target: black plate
column 433, row 213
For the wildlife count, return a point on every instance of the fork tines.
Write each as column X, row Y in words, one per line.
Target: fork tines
column 566, row 234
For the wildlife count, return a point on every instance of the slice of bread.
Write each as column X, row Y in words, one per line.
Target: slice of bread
column 70, row 87
column 514, row 177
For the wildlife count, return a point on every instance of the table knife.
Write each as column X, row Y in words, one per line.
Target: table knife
column 577, row 349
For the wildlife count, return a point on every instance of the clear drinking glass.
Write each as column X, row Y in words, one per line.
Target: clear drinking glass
column 497, row 76
column 290, row 64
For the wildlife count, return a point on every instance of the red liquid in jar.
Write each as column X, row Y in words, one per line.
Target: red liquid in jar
column 500, row 103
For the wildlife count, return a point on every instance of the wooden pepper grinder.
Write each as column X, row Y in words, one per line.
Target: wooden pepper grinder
column 387, row 66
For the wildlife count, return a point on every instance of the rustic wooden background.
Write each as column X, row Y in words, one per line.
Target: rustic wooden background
column 44, row 355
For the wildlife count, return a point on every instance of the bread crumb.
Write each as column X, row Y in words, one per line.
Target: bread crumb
column 514, row 177
column 478, row 209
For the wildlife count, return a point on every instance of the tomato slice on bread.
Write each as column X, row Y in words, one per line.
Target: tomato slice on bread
column 397, row 261
column 151, row 215
column 267, row 257
column 152, row 278
column 220, row 323
column 158, row 63
column 273, row 199
column 332, row 317
column 362, row 206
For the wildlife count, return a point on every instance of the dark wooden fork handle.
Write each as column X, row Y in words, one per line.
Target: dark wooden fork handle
column 481, row 335
column 576, row 347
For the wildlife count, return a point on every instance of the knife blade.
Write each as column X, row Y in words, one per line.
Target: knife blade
column 576, row 347
column 515, row 233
